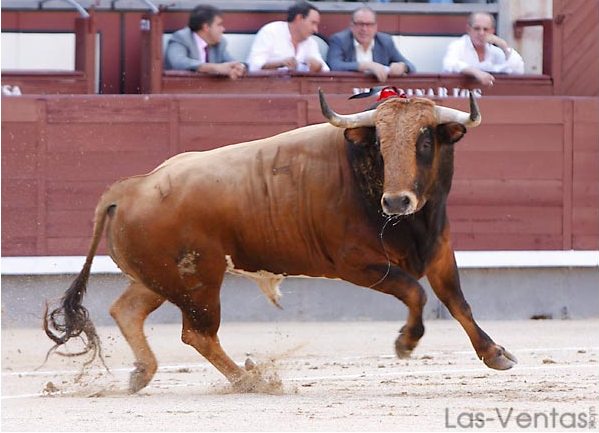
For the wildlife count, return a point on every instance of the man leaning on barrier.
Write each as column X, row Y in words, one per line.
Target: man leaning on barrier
column 288, row 45
column 200, row 46
column 362, row 48
column 481, row 52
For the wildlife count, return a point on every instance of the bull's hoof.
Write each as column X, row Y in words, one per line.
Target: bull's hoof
column 500, row 360
column 250, row 383
column 139, row 378
column 407, row 340
column 403, row 348
column 250, row 364
column 257, row 378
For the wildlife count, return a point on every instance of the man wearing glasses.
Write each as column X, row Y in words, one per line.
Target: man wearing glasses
column 480, row 52
column 362, row 48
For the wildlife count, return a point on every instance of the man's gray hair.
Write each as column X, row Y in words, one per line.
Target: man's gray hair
column 473, row 14
column 363, row 8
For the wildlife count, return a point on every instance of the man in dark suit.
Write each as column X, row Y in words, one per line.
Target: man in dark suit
column 200, row 46
column 362, row 48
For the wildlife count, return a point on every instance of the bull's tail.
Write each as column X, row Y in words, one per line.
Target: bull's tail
column 71, row 319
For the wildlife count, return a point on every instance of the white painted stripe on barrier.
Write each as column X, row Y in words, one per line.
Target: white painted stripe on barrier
column 527, row 259
column 55, row 265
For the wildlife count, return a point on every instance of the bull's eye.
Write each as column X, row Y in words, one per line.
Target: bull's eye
column 424, row 145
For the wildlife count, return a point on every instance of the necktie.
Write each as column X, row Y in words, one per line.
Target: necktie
column 206, row 54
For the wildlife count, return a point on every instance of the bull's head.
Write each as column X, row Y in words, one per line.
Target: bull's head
column 415, row 138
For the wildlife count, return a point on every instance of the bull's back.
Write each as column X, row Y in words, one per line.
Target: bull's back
column 267, row 202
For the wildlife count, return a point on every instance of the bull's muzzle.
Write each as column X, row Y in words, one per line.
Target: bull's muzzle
column 402, row 203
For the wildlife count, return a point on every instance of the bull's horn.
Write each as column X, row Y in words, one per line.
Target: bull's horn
column 365, row 118
column 469, row 120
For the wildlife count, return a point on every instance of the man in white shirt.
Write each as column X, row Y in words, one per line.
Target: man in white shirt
column 287, row 45
column 480, row 52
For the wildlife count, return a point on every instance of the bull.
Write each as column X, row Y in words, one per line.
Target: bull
column 361, row 198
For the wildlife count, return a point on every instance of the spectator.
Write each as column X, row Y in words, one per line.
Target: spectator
column 362, row 48
column 287, row 45
column 480, row 52
column 200, row 46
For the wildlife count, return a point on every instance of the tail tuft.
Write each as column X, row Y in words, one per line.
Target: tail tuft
column 71, row 320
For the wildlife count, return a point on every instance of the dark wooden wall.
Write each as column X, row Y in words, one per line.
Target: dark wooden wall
column 527, row 178
column 577, row 46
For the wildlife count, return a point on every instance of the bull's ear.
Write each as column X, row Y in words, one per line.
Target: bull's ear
column 450, row 132
column 363, row 136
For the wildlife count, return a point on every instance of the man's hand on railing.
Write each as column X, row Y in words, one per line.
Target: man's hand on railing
column 483, row 77
column 233, row 70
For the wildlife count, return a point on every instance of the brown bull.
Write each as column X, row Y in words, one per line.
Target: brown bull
column 314, row 201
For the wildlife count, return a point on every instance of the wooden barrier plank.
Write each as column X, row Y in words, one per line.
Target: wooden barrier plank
column 15, row 245
column 340, row 82
column 39, row 82
column 585, row 179
column 507, row 165
column 22, row 193
column 214, row 135
column 100, row 165
column 91, row 136
column 258, row 83
column 240, row 110
column 16, row 109
column 521, row 110
column 516, row 138
column 69, row 223
column 68, row 195
column 507, row 219
column 107, row 109
column 506, row 192
column 503, row 241
column 19, row 137
column 19, row 232
column 20, row 165
column 72, row 246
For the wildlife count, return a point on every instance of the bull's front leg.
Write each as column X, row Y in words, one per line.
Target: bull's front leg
column 392, row 280
column 445, row 281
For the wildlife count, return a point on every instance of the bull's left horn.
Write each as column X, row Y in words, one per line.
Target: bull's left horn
column 365, row 118
column 469, row 120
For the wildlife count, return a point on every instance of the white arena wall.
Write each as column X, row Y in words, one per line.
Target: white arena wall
column 511, row 285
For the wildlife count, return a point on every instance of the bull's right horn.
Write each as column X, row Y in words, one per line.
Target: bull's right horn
column 469, row 120
column 365, row 118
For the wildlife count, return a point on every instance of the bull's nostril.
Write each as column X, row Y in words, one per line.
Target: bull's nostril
column 385, row 202
column 405, row 201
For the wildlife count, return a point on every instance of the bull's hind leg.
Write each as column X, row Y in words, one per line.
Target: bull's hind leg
column 445, row 281
column 130, row 311
column 201, row 321
column 199, row 301
column 395, row 282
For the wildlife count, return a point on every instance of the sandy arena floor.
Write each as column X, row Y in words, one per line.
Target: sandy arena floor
column 340, row 376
